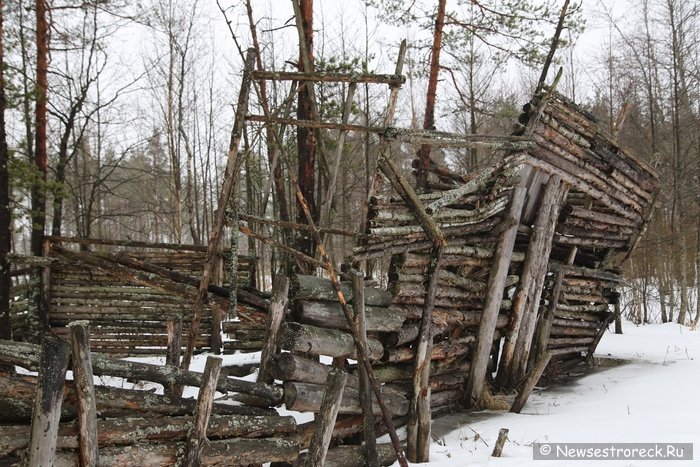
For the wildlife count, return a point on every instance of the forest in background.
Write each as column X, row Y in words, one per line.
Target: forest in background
column 117, row 115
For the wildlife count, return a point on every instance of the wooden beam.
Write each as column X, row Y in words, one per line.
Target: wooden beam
column 391, row 80
column 494, row 296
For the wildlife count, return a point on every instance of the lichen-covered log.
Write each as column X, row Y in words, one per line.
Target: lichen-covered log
column 133, row 430
column 319, row 341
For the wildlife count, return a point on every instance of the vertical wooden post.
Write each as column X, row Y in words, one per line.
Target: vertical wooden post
column 335, row 385
column 278, row 302
column 418, row 442
column 85, row 389
column 494, row 296
column 358, row 308
column 502, row 437
column 548, row 226
column 603, row 327
column 172, row 352
column 527, row 296
column 197, row 437
column 53, row 364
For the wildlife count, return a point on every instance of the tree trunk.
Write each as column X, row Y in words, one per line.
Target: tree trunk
column 429, row 118
column 5, row 212
column 306, row 140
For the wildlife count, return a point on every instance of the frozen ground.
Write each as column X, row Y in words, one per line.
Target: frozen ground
column 653, row 398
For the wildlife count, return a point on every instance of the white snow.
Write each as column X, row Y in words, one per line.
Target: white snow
column 650, row 399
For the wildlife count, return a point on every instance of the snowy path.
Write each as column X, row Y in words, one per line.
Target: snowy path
column 651, row 399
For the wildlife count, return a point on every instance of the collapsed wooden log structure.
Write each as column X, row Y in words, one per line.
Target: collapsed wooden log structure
column 494, row 276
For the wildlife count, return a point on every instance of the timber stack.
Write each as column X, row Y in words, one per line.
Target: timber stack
column 137, row 295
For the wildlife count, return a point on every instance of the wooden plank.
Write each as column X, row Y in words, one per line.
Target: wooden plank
column 53, row 364
column 326, row 421
column 85, row 389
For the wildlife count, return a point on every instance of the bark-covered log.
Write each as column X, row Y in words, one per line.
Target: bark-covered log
column 133, row 430
column 236, row 451
column 330, row 315
column 307, row 397
column 17, row 396
column 319, row 341
column 317, row 288
column 440, row 351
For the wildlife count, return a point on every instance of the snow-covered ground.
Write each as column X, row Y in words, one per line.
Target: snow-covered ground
column 653, row 398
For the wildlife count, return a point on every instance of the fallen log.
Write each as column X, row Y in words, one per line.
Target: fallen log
column 133, row 430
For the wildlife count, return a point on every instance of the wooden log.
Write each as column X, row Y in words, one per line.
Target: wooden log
column 401, row 371
column 307, row 397
column 53, row 364
column 494, row 296
column 500, row 442
column 599, row 335
column 563, row 331
column 575, row 323
column 172, row 352
column 359, row 312
column 478, row 181
column 124, row 431
column 525, row 338
column 530, row 382
column 527, row 295
column 355, row 456
column 194, row 447
column 319, row 341
column 278, row 303
column 569, row 342
column 440, row 351
column 324, row 423
column 26, row 355
column 245, row 451
column 18, row 392
column 330, row 315
column 317, row 288
column 419, row 420
column 85, row 389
